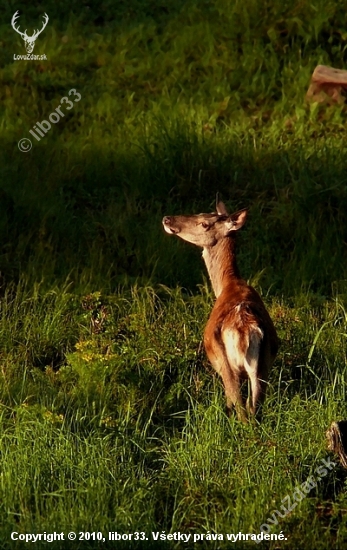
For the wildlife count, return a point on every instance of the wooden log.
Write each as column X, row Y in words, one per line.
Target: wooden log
column 327, row 85
column 337, row 440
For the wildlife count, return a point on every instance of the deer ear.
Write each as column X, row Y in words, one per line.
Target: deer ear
column 221, row 210
column 236, row 220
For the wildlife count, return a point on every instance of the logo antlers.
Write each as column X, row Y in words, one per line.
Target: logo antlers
column 29, row 41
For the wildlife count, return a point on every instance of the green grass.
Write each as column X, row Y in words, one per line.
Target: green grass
column 111, row 417
column 131, row 434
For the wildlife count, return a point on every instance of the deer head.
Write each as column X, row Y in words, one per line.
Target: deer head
column 29, row 41
column 206, row 230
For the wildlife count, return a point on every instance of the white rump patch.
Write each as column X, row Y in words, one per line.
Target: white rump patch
column 234, row 346
column 252, row 353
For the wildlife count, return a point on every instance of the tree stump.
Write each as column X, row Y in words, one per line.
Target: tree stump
column 327, row 85
column 337, row 440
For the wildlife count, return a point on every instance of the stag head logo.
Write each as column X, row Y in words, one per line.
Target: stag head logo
column 29, row 41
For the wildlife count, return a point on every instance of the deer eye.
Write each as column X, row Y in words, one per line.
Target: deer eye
column 205, row 225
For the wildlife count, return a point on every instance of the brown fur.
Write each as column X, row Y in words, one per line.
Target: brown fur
column 240, row 338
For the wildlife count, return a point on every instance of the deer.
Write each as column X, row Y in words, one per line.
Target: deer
column 240, row 339
column 29, row 41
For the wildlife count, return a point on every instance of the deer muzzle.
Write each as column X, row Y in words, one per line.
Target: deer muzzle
column 168, row 223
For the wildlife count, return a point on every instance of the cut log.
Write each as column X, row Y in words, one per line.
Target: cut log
column 327, row 85
column 337, row 440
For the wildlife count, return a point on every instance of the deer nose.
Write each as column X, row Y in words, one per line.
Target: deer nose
column 166, row 220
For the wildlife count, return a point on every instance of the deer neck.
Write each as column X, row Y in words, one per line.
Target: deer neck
column 221, row 264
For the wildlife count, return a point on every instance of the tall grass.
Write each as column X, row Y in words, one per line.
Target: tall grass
column 135, row 415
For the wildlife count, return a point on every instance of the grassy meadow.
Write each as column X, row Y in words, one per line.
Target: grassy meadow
column 111, row 418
